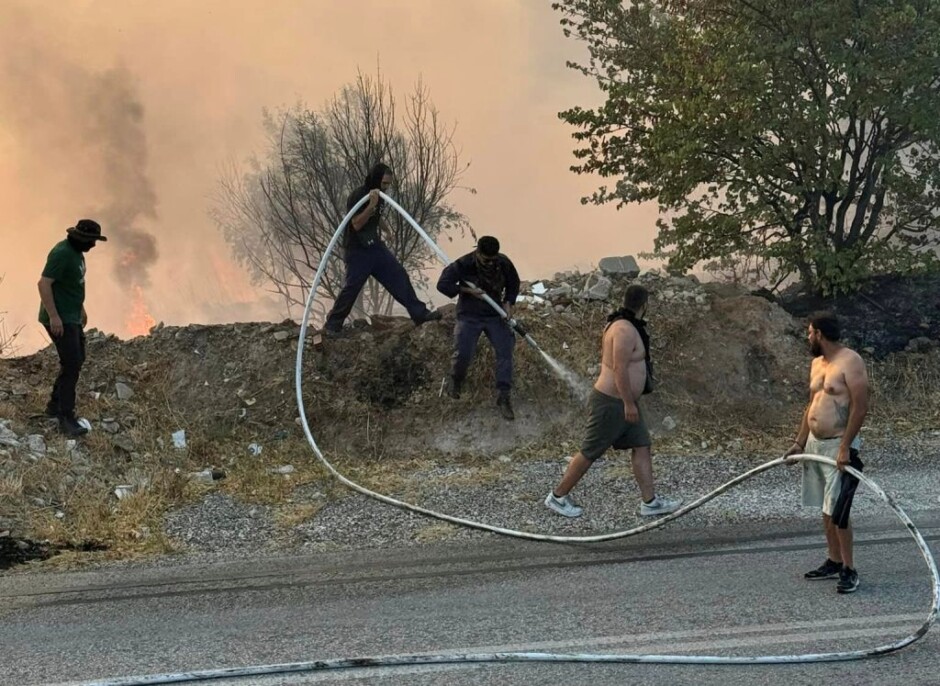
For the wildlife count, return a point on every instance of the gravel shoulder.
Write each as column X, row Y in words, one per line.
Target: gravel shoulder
column 219, row 527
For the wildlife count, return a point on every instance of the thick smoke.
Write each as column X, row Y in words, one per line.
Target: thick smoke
column 115, row 127
column 88, row 126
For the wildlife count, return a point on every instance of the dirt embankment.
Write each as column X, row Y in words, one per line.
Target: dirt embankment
column 731, row 368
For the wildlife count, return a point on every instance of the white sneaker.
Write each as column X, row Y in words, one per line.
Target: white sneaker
column 660, row 506
column 563, row 505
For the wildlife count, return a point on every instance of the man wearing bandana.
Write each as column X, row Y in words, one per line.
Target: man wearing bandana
column 62, row 313
column 485, row 270
column 616, row 418
column 367, row 255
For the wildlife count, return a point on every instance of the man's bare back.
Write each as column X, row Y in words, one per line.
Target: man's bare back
column 830, row 402
column 623, row 357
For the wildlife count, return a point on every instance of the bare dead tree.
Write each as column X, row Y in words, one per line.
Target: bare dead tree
column 7, row 338
column 280, row 213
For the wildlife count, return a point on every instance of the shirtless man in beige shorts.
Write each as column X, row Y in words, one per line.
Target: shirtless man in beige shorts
column 838, row 403
column 616, row 419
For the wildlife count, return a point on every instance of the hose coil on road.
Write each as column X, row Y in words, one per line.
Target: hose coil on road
column 448, row 658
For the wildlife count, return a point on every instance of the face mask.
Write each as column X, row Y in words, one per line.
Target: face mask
column 81, row 246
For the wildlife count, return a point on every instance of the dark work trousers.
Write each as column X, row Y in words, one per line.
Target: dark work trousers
column 467, row 333
column 376, row 261
column 71, row 348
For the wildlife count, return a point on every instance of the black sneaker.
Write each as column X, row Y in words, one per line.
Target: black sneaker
column 848, row 581
column 505, row 406
column 70, row 426
column 453, row 387
column 331, row 332
column 827, row 570
column 52, row 410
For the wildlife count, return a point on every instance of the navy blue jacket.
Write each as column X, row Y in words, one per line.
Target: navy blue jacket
column 464, row 270
column 369, row 233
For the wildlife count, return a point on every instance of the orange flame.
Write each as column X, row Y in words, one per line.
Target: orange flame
column 139, row 322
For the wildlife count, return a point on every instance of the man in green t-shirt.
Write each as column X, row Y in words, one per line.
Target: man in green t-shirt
column 62, row 312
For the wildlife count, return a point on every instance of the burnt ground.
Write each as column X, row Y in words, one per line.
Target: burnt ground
column 16, row 551
column 885, row 315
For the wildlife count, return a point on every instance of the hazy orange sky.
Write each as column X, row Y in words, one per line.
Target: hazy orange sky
column 129, row 110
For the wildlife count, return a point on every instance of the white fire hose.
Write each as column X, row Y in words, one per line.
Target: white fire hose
column 449, row 658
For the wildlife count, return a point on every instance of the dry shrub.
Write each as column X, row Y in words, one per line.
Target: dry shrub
column 906, row 391
column 390, row 377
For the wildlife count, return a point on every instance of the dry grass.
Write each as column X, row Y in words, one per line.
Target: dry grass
column 289, row 516
column 129, row 527
column 392, row 477
column 255, row 479
column 384, row 450
column 437, row 532
column 69, row 500
column 906, row 392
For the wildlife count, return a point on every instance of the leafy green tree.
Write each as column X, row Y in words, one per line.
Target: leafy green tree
column 802, row 134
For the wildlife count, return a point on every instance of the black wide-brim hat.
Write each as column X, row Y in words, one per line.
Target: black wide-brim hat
column 86, row 230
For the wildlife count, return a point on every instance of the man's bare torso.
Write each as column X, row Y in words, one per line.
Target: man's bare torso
column 829, row 403
column 622, row 332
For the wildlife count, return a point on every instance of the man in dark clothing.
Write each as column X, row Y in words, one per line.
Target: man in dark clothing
column 62, row 312
column 366, row 255
column 492, row 273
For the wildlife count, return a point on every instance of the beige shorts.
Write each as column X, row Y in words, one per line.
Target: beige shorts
column 824, row 485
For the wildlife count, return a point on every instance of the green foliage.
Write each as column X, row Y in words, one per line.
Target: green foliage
column 803, row 135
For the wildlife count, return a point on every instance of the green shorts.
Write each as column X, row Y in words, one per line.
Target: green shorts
column 607, row 427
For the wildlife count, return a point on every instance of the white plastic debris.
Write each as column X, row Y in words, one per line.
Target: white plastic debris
column 123, row 491
column 255, row 449
column 539, row 288
column 179, row 439
column 533, row 299
column 205, row 476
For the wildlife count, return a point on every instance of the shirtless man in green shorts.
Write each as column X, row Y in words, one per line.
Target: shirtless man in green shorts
column 616, row 419
column 838, row 403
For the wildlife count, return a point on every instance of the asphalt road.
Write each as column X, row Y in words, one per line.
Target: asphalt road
column 709, row 592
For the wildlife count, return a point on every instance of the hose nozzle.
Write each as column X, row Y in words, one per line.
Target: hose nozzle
column 518, row 327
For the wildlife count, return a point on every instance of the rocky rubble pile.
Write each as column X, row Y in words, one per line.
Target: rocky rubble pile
column 605, row 285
